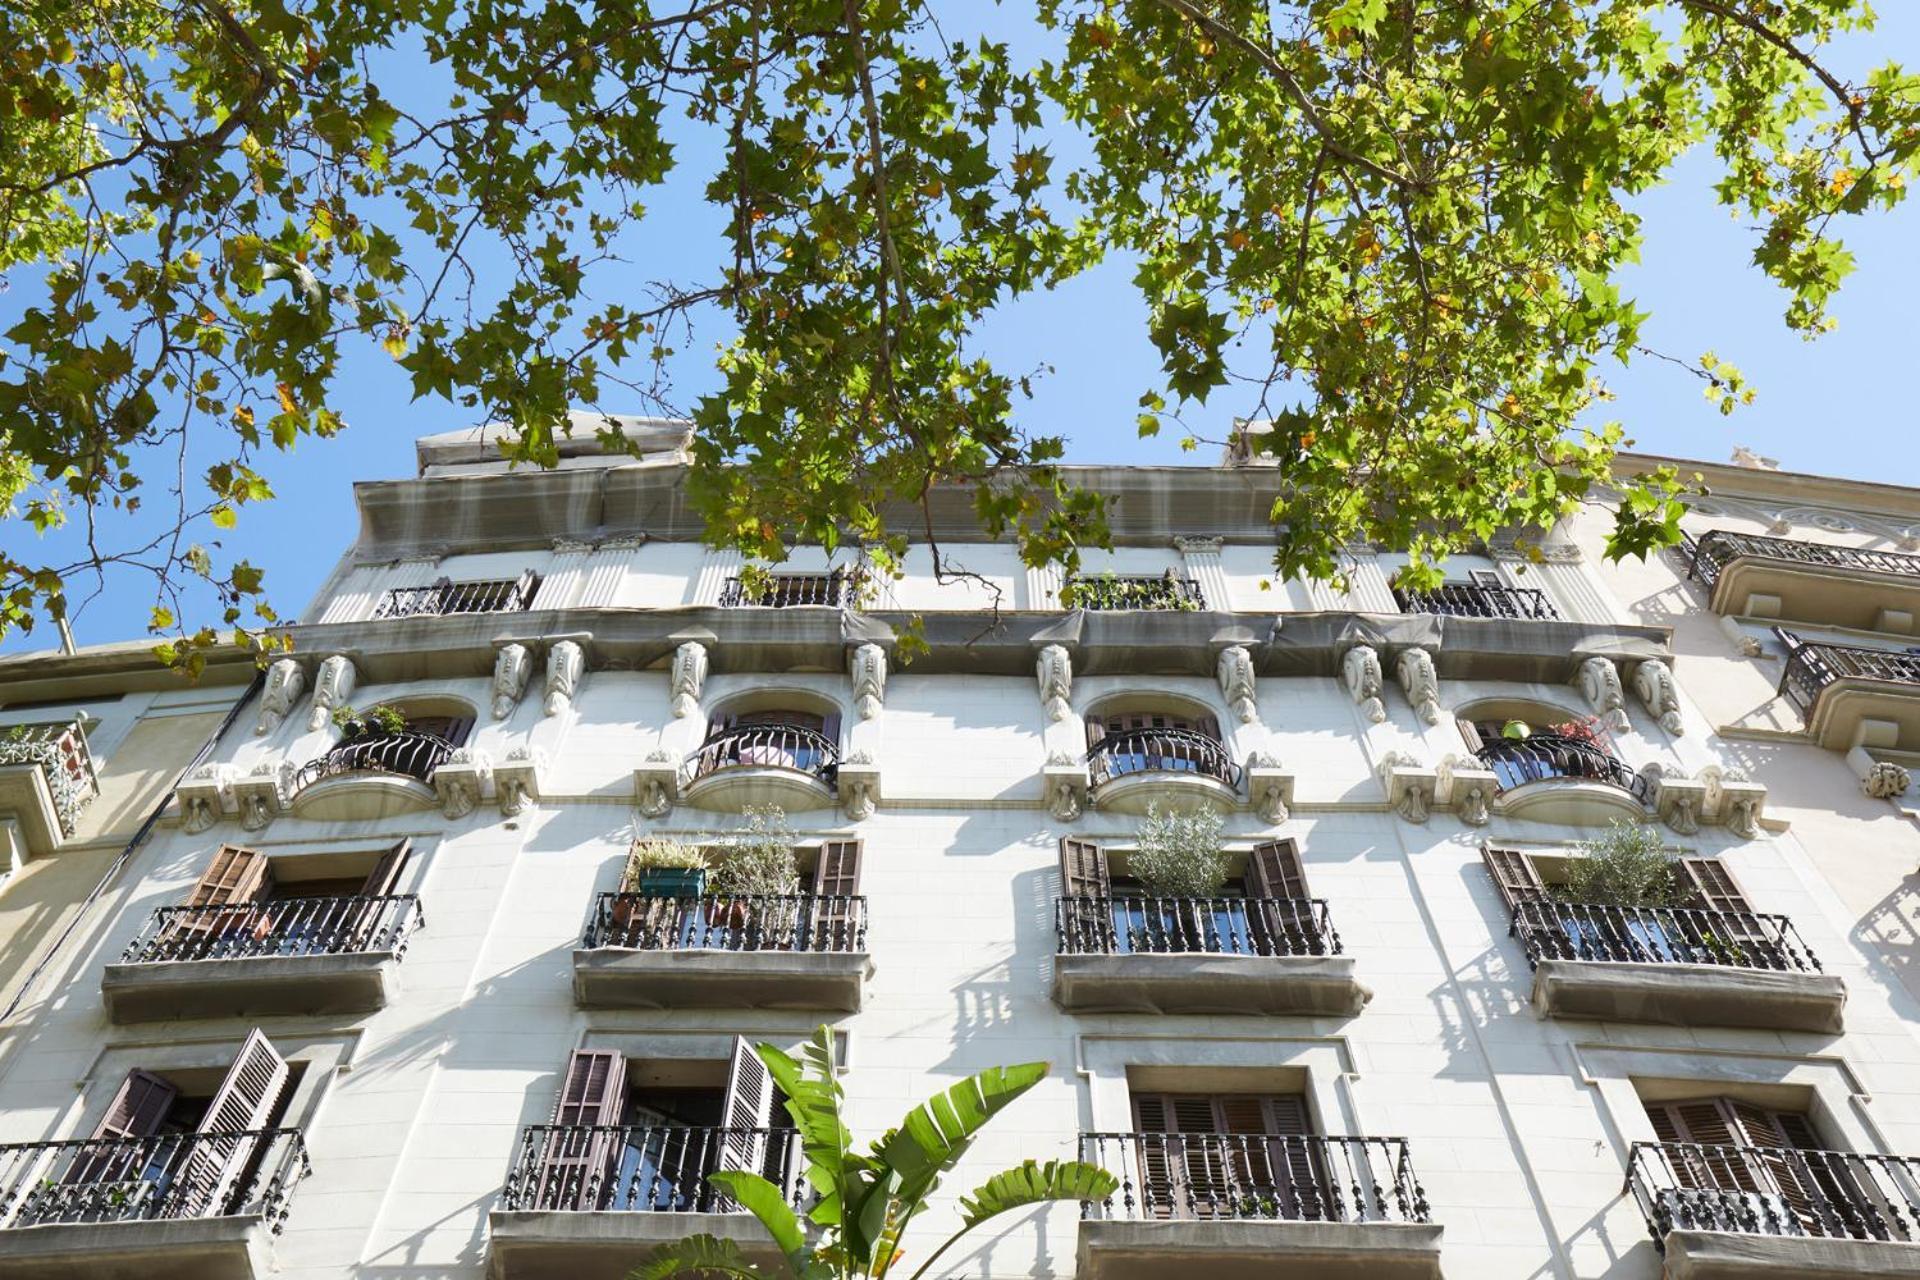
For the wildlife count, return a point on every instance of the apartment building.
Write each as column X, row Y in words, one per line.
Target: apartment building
column 385, row 996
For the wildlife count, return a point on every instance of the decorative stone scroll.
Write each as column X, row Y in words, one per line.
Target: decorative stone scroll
column 656, row 783
column 516, row 780
column 1066, row 782
column 566, row 662
column 1409, row 786
column 1678, row 800
column 1360, row 669
column 461, row 782
column 689, row 678
column 1599, row 682
column 285, row 680
column 1467, row 787
column 1054, row 671
column 867, row 665
column 1420, row 683
column 512, row 667
column 206, row 797
column 262, row 794
column 858, row 783
column 1653, row 681
column 1235, row 673
column 332, row 687
column 1270, row 788
column 1733, row 800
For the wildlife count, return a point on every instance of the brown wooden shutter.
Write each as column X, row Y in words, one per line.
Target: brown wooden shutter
column 576, row 1164
column 1713, row 886
column 746, row 1112
column 1470, row 734
column 135, row 1112
column 1083, row 869
column 235, row 875
column 836, row 881
column 1274, row 871
column 593, row 1092
column 1514, row 875
column 1096, row 731
column 1156, row 1157
column 245, row 1101
column 386, row 871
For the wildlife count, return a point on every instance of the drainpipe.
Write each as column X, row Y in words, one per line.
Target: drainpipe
column 139, row 838
column 67, row 646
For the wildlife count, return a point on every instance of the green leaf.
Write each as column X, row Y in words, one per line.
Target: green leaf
column 701, row 1255
column 764, row 1201
column 1035, row 1183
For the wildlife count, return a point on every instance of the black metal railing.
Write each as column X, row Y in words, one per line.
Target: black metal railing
column 774, row 746
column 280, row 927
column 1208, row 926
column 1550, row 930
column 1160, row 751
column 1774, row 1191
column 499, row 595
column 1715, row 550
column 167, row 1176
column 1545, row 756
column 412, row 755
column 646, row 1168
column 1812, row 666
column 1472, row 600
column 1255, row 1177
column 835, row 590
column 729, row 922
column 1145, row 591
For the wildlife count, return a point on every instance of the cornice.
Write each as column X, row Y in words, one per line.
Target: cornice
column 1788, row 489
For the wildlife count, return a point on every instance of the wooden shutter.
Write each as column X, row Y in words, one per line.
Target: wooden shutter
column 235, row 875
column 576, row 1165
column 830, row 728
column 1470, row 734
column 1208, row 727
column 748, row 1106
column 1083, row 869
column 836, row 880
column 593, row 1091
column 1274, row 871
column 386, row 871
column 370, row 918
column 245, row 1101
column 1713, row 886
column 1514, row 875
column 1156, row 1156
column 135, row 1112
column 1096, row 731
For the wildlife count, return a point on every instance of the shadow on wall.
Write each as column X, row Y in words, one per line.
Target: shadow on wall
column 1890, row 932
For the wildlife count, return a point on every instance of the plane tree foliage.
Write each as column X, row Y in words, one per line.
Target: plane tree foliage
column 1392, row 229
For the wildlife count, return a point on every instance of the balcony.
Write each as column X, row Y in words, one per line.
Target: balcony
column 1130, row 770
column 1201, row 955
column 372, row 776
column 1747, row 1213
column 442, row 598
column 179, row 1206
column 780, row 764
column 590, row 1202
column 1250, row 1207
column 1808, row 582
column 1561, row 777
column 46, row 779
column 836, row 590
column 1164, row 593
column 719, row 951
column 1837, row 686
column 1680, row 965
column 288, row 955
column 1472, row 600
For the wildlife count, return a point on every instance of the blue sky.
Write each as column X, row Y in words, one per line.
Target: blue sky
column 1842, row 405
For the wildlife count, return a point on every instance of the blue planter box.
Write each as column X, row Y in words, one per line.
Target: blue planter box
column 673, row 882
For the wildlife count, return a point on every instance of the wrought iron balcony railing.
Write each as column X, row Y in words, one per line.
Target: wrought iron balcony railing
column 1715, row 550
column 1133, row 751
column 1812, row 666
column 1145, row 591
column 776, row 746
column 1207, row 926
column 835, row 590
column 165, row 1177
column 281, row 927
column 1545, row 756
column 1255, row 1177
column 1550, row 930
column 411, row 755
column 646, row 1168
column 1774, row 1191
column 1471, row 600
column 60, row 749
column 439, row 599
column 729, row 922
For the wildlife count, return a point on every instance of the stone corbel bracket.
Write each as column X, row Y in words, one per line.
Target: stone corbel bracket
column 1599, row 683
column 1067, row 783
column 566, row 665
column 1653, row 681
column 690, row 665
column 858, row 783
column 867, row 668
column 1360, row 670
column 1235, row 673
column 285, row 680
column 332, row 687
column 1466, row 788
column 1733, row 800
column 656, row 783
column 1410, row 786
column 262, row 795
column 1053, row 669
column 1420, row 683
column 516, row 780
column 1678, row 801
column 206, row 797
column 463, row 781
column 1879, row 779
column 1269, row 788
column 512, row 667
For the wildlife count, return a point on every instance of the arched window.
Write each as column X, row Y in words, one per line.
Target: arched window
column 793, row 734
column 1524, row 742
column 1127, row 738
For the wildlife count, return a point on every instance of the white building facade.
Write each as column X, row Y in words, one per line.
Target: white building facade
column 382, row 1000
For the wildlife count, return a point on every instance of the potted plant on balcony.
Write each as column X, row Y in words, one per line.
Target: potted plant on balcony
column 757, row 863
column 1630, row 868
column 658, row 867
column 1178, row 856
column 379, row 720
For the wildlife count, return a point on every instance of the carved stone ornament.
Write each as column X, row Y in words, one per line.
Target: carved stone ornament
column 1653, row 681
column 1361, row 671
column 1886, row 780
column 1599, row 682
column 1732, row 799
column 462, row 780
column 512, row 667
column 285, row 680
column 1269, row 788
column 1467, row 787
column 1420, row 683
column 516, row 780
column 262, row 794
column 1065, row 780
column 689, row 678
column 332, row 687
column 206, row 797
column 1677, row 799
column 656, row 783
column 1235, row 673
column 867, row 665
column 858, row 783
column 565, row 663
column 1054, row 670
column 1197, row 545
column 1409, row 787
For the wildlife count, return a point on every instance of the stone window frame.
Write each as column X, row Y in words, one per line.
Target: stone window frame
column 1319, row 1067
column 321, row 1057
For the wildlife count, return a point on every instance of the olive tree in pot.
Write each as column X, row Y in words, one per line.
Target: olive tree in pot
column 1629, row 866
column 1178, row 856
column 757, row 876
